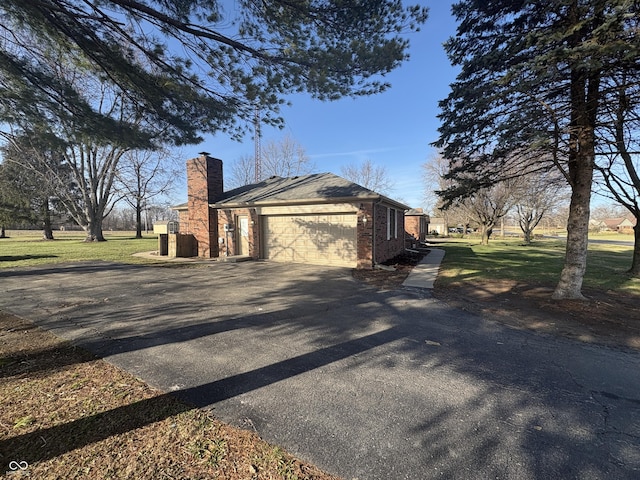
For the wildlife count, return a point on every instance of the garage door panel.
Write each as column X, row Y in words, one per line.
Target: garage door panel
column 316, row 239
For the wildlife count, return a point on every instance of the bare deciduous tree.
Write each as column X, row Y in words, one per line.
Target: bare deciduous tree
column 488, row 205
column 538, row 194
column 434, row 171
column 618, row 168
column 144, row 175
column 242, row 172
column 371, row 176
column 283, row 158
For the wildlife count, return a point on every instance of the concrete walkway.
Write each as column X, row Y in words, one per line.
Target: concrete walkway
column 426, row 272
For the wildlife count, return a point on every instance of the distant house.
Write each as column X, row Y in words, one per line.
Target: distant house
column 319, row 219
column 416, row 224
column 620, row 225
column 438, row 225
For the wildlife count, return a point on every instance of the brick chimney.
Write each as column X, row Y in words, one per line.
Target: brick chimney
column 204, row 186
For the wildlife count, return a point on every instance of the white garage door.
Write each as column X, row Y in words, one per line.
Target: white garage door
column 315, row 239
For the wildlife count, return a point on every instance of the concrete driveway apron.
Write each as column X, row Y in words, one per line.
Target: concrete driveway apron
column 366, row 384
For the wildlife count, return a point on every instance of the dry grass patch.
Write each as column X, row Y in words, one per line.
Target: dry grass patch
column 606, row 317
column 68, row 415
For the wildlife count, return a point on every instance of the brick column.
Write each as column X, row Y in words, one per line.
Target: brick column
column 364, row 236
column 204, row 186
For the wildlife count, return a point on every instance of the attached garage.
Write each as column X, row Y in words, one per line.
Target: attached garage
column 318, row 219
column 327, row 239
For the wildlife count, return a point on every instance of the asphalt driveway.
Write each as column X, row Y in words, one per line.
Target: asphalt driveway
column 367, row 385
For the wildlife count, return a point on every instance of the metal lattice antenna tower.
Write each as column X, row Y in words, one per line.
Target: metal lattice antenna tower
column 257, row 135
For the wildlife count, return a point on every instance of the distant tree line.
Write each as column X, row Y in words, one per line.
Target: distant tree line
column 121, row 217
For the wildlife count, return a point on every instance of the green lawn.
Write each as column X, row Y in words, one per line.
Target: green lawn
column 23, row 248
column 539, row 263
column 465, row 259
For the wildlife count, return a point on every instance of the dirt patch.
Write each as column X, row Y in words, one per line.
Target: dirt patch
column 66, row 414
column 605, row 318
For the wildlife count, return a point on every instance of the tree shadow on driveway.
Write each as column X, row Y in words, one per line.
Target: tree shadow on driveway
column 364, row 384
column 95, row 428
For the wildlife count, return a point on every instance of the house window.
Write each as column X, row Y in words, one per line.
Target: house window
column 392, row 223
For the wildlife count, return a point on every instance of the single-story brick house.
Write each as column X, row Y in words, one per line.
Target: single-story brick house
column 620, row 225
column 416, row 224
column 319, row 219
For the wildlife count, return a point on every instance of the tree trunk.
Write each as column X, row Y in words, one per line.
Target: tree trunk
column 138, row 219
column 575, row 263
column 635, row 262
column 47, row 230
column 525, row 227
column 94, row 231
column 2, row 232
column 581, row 163
column 486, row 233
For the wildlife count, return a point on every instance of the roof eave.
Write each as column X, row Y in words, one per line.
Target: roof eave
column 301, row 201
column 401, row 206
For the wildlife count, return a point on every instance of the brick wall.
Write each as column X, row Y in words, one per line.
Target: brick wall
column 412, row 226
column 204, row 186
column 183, row 220
column 415, row 226
column 230, row 217
column 365, row 236
column 387, row 248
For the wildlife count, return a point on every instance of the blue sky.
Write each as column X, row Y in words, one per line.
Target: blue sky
column 393, row 129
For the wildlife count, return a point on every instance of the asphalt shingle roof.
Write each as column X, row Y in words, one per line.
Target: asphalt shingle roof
column 314, row 188
column 317, row 186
